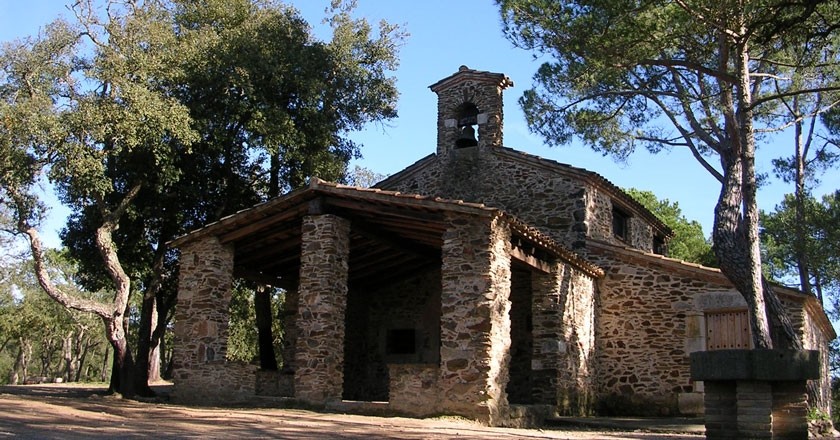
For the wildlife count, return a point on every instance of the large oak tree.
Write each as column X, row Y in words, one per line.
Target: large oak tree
column 154, row 117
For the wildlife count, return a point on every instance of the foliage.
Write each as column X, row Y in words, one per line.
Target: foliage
column 708, row 76
column 38, row 337
column 363, row 177
column 688, row 243
column 242, row 339
column 822, row 227
column 155, row 117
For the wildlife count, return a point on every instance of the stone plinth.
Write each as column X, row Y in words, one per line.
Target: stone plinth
column 413, row 389
column 755, row 394
column 274, row 383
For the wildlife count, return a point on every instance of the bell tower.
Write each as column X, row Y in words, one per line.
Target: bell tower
column 469, row 110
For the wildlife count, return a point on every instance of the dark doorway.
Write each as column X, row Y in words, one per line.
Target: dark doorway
column 521, row 337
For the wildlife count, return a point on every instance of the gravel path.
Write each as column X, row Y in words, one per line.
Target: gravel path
column 69, row 411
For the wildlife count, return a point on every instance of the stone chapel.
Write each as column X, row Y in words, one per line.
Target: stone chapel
column 480, row 281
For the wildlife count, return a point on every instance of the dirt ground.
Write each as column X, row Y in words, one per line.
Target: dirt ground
column 83, row 412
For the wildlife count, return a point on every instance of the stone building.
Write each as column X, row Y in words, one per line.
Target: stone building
column 480, row 281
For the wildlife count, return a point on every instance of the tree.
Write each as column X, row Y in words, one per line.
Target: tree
column 821, row 226
column 39, row 337
column 707, row 76
column 76, row 102
column 188, row 111
column 689, row 243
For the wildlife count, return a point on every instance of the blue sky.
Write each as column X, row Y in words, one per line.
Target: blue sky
column 444, row 34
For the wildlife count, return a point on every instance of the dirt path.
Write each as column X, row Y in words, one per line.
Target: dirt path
column 82, row 412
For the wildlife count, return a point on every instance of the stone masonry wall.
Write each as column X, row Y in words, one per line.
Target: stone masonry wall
column 650, row 319
column 551, row 202
column 486, row 95
column 600, row 225
column 812, row 338
column 322, row 301
column 564, row 340
column 413, row 389
column 201, row 372
column 642, row 337
column 475, row 322
column 412, row 303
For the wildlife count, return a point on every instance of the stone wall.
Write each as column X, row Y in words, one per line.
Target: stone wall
column 564, row 340
column 412, row 304
column 651, row 316
column 481, row 89
column 645, row 314
column 475, row 321
column 413, row 389
column 549, row 201
column 201, row 372
column 319, row 355
column 600, row 222
column 812, row 338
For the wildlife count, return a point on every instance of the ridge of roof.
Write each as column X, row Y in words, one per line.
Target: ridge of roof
column 817, row 312
column 318, row 186
column 465, row 73
column 593, row 177
column 597, row 179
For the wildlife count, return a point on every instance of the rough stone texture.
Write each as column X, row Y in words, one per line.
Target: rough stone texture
column 644, row 316
column 768, row 388
column 319, row 356
column 564, row 340
column 414, row 304
column 475, row 324
column 200, row 371
column 413, row 389
column 274, row 384
column 481, row 89
column 812, row 338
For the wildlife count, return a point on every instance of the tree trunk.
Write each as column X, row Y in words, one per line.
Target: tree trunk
column 83, row 352
column 103, row 373
column 262, row 306
column 800, row 226
column 67, row 354
column 735, row 231
column 144, row 345
column 122, row 372
column 21, row 361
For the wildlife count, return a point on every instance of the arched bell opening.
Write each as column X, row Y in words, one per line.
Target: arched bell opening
column 467, row 117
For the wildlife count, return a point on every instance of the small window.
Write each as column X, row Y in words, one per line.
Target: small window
column 401, row 341
column 728, row 330
column 620, row 223
column 659, row 245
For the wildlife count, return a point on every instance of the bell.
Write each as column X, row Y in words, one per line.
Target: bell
column 467, row 138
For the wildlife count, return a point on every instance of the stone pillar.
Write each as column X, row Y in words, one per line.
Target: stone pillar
column 549, row 344
column 563, row 332
column 755, row 394
column 475, row 321
column 322, row 301
column 201, row 372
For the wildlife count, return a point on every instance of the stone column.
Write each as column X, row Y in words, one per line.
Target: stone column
column 322, row 301
column 201, row 325
column 563, row 335
column 475, row 321
column 548, row 361
column 755, row 394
